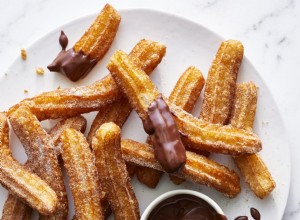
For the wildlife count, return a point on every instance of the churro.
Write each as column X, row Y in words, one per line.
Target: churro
column 78, row 61
column 143, row 56
column 65, row 103
column 13, row 207
column 197, row 169
column 200, row 135
column 113, row 174
column 81, row 169
column 41, row 155
column 20, row 182
column 252, row 167
column 220, row 84
column 184, row 94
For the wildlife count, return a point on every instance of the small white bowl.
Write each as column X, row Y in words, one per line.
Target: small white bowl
column 169, row 194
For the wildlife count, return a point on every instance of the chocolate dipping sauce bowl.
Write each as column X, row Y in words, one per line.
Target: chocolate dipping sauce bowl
column 192, row 203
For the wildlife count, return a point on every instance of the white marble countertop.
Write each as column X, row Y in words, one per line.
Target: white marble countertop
column 269, row 30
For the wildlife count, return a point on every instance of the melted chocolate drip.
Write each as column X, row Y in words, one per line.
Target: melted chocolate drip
column 74, row 65
column 241, row 218
column 184, row 207
column 63, row 40
column 168, row 148
column 255, row 213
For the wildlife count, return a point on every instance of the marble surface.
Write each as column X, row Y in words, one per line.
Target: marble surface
column 269, row 30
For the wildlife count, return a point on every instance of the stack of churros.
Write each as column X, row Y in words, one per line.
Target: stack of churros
column 100, row 166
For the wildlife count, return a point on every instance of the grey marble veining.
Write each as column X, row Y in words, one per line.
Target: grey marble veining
column 270, row 31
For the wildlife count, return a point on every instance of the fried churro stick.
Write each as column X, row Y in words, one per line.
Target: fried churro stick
column 78, row 61
column 96, row 41
column 198, row 168
column 143, row 56
column 65, row 103
column 221, row 83
column 141, row 92
column 13, row 207
column 81, row 169
column 41, row 155
column 252, row 167
column 113, row 174
column 22, row 183
column 184, row 95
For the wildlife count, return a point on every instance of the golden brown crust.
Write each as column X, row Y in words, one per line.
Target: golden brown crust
column 113, row 174
column 184, row 95
column 80, row 165
column 14, row 208
column 187, row 89
column 27, row 186
column 4, row 137
column 41, row 155
column 78, row 123
column 146, row 55
column 220, row 83
column 198, row 134
column 198, row 169
column 252, row 167
column 116, row 112
column 148, row 176
column 97, row 39
column 244, row 106
column 22, row 183
column 70, row 102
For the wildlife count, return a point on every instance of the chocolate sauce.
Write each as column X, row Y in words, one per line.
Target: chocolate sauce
column 63, row 40
column 255, row 213
column 74, row 65
column 184, row 207
column 241, row 218
column 168, row 148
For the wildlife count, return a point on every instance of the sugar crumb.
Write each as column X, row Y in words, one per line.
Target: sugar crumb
column 39, row 71
column 23, row 54
column 25, row 91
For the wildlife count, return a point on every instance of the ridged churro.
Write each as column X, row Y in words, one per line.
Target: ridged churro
column 41, row 155
column 81, row 169
column 199, row 135
column 198, row 168
column 187, row 89
column 65, row 103
column 78, row 123
column 184, row 94
column 113, row 174
column 78, row 61
column 252, row 167
column 13, row 207
column 20, row 182
column 220, row 83
column 119, row 111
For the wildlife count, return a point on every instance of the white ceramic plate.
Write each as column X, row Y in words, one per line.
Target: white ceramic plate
column 188, row 44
